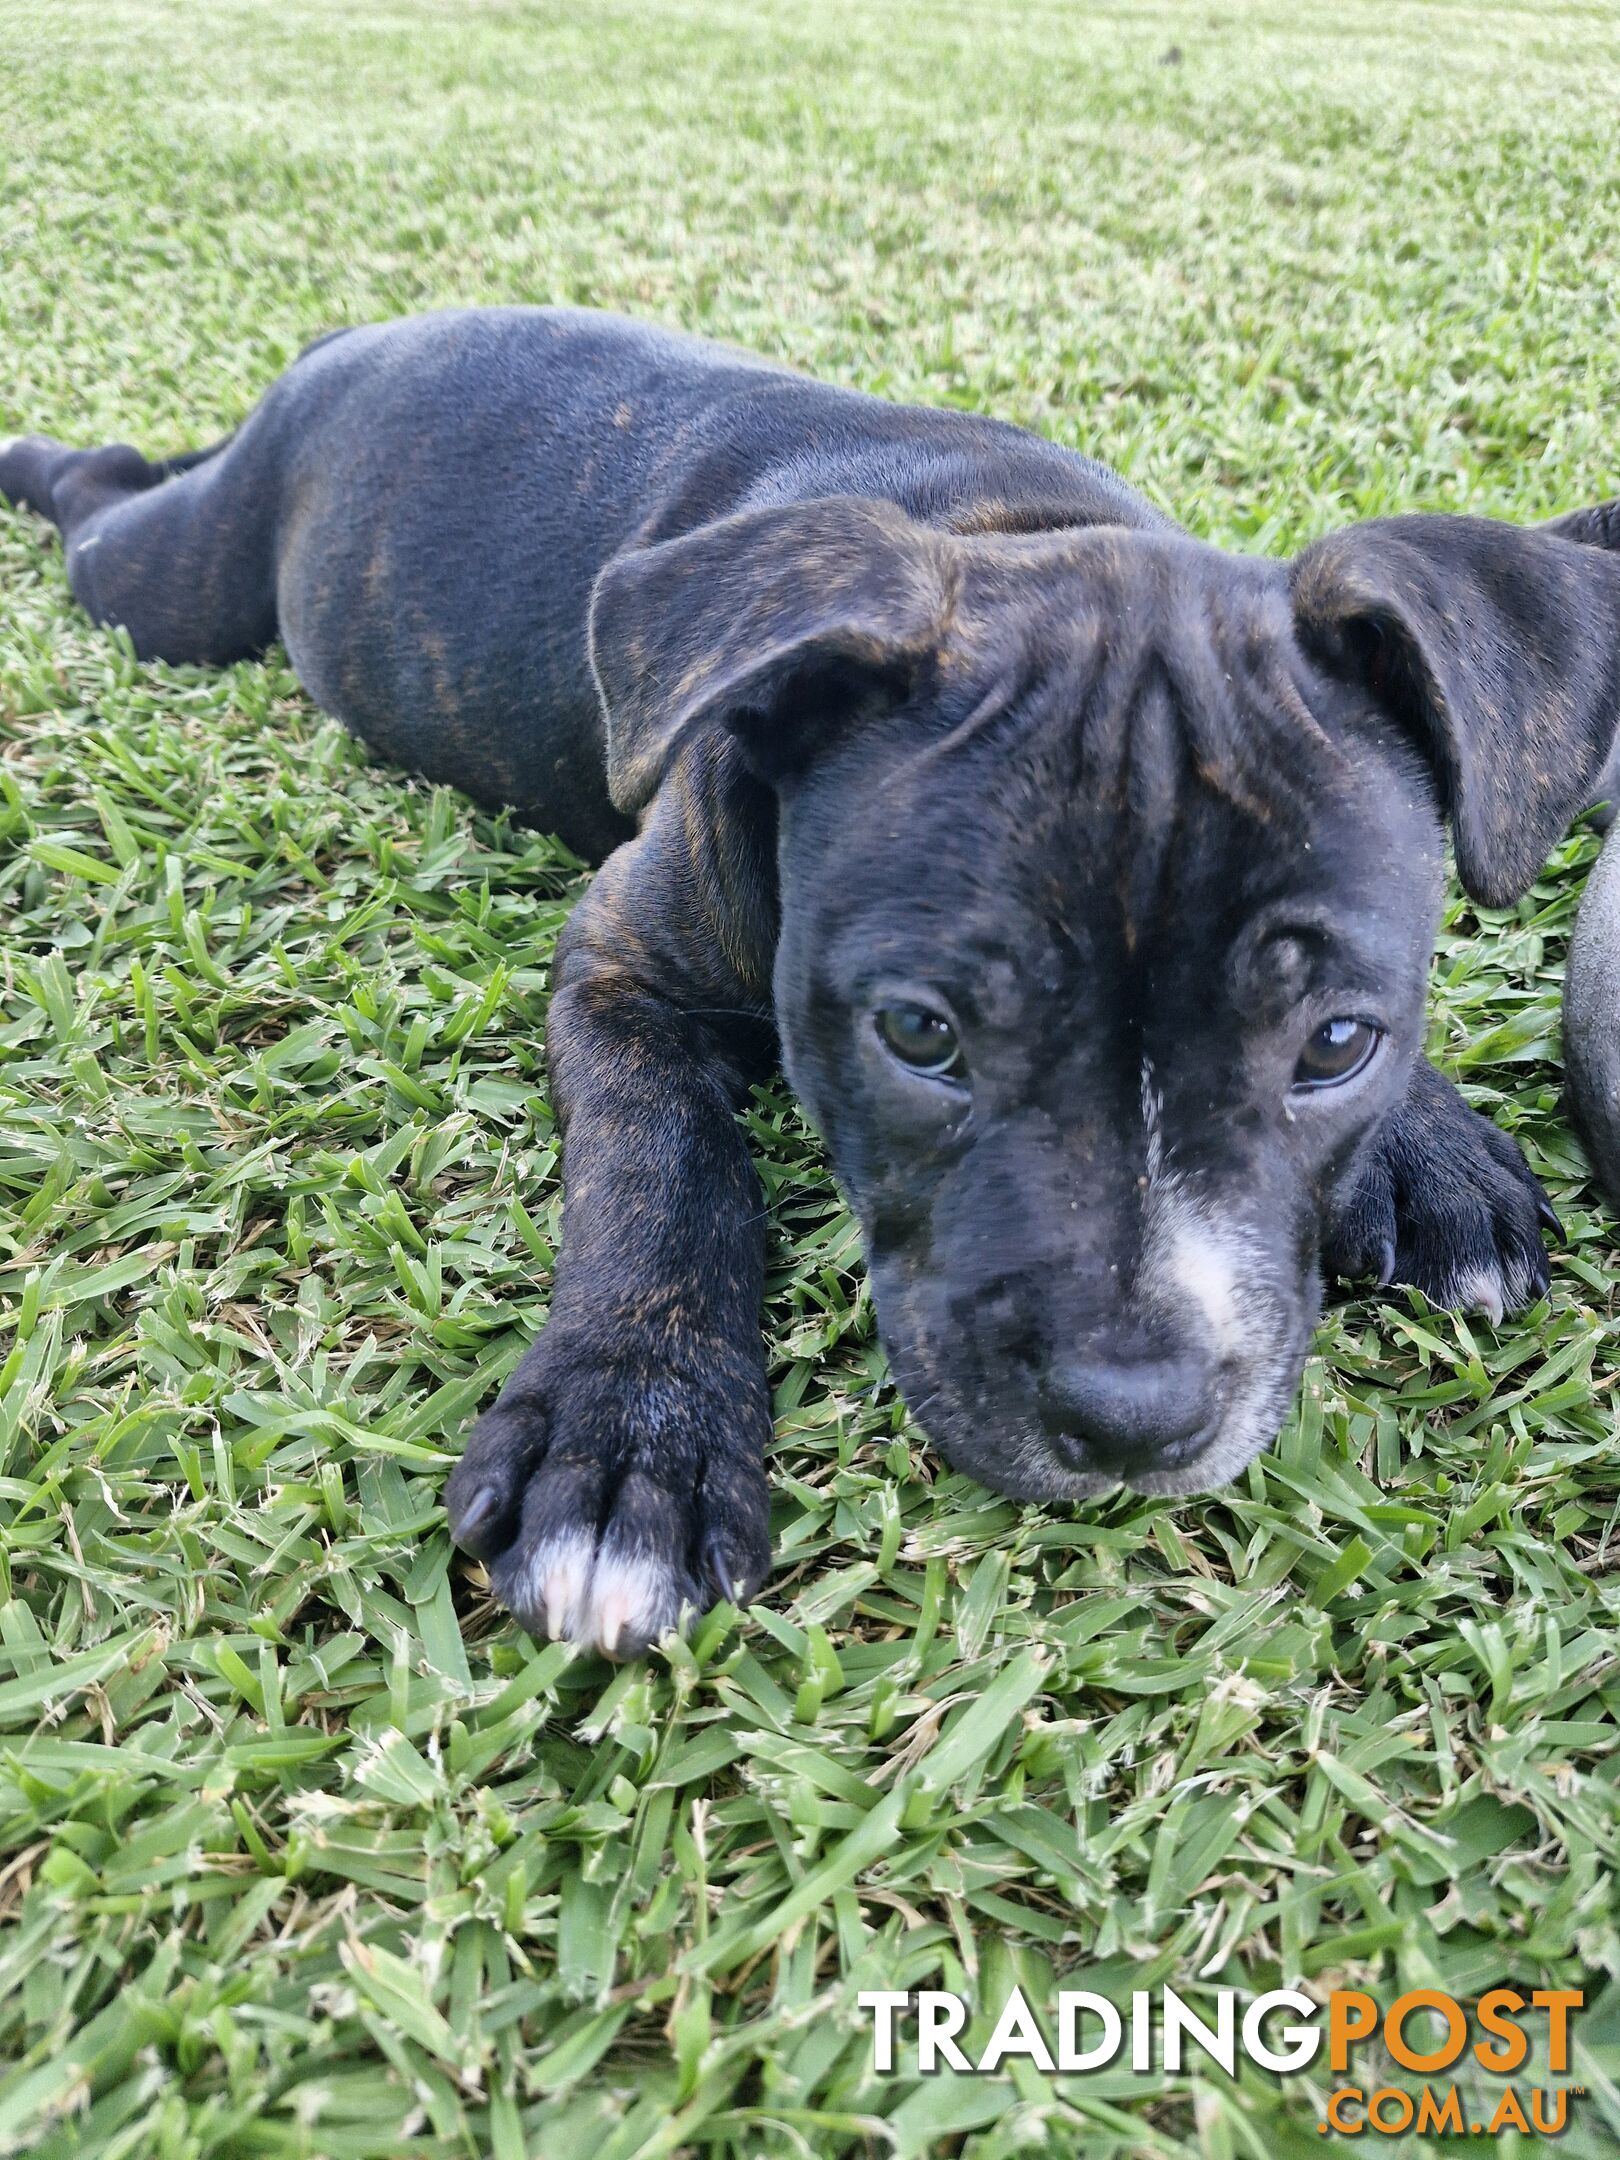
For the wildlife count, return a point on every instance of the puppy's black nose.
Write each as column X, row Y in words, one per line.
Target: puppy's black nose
column 1127, row 1413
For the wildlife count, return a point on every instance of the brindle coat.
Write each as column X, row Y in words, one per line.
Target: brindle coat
column 887, row 722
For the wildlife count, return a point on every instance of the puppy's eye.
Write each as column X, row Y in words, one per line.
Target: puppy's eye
column 923, row 1040
column 1337, row 1051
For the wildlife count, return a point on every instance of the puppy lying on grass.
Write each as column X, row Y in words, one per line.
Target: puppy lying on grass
column 1084, row 879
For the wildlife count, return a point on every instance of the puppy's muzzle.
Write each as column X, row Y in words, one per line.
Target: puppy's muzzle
column 1124, row 1414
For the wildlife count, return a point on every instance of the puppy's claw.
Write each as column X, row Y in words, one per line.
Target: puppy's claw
column 559, row 1575
column 1547, row 1216
column 476, row 1519
column 723, row 1573
column 1483, row 1294
column 1386, row 1264
column 635, row 1602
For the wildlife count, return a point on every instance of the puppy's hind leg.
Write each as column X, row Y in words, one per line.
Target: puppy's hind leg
column 177, row 550
column 32, row 467
column 28, row 465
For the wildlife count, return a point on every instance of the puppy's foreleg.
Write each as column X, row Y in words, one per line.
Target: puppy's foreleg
column 621, row 1476
column 1442, row 1199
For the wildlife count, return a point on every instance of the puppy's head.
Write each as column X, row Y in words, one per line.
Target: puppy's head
column 1110, row 868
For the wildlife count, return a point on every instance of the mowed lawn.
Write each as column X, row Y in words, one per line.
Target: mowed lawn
column 307, row 1851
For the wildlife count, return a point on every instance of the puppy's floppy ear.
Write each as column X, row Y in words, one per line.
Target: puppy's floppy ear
column 772, row 623
column 1500, row 648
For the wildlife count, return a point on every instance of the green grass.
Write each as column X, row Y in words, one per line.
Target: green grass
column 306, row 1851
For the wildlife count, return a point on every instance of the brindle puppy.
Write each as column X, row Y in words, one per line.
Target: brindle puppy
column 1083, row 877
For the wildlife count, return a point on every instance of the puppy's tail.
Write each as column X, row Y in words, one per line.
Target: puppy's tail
column 189, row 460
column 1592, row 1021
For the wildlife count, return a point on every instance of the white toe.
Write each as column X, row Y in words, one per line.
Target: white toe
column 1482, row 1292
column 603, row 1600
column 630, row 1594
column 559, row 1575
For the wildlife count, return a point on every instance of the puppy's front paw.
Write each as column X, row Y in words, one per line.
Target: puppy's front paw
column 1446, row 1202
column 608, row 1493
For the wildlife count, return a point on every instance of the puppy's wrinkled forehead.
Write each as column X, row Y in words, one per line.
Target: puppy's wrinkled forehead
column 1121, row 714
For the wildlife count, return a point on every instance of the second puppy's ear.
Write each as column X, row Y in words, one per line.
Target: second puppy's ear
column 1499, row 648
column 776, row 624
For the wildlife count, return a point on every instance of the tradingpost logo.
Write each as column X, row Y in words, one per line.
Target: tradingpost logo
column 1439, row 2038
